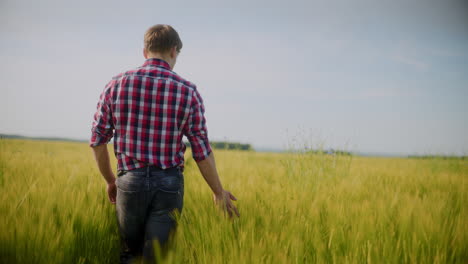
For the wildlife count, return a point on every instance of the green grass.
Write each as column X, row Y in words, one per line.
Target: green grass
column 295, row 208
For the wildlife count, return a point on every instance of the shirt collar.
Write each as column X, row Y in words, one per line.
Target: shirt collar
column 157, row 62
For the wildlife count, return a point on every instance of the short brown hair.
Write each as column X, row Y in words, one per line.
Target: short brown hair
column 161, row 39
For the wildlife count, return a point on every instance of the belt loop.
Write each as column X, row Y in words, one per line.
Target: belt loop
column 147, row 171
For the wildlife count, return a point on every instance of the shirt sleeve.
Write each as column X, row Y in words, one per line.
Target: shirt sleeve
column 102, row 129
column 197, row 133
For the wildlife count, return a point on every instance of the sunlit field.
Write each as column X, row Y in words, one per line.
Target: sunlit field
column 295, row 208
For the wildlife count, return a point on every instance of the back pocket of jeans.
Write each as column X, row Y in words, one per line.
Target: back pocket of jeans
column 170, row 184
column 129, row 183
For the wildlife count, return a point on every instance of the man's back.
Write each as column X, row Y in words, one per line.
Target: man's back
column 150, row 109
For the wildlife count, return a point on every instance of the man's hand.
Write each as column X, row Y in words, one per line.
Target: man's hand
column 223, row 200
column 102, row 159
column 221, row 197
column 112, row 192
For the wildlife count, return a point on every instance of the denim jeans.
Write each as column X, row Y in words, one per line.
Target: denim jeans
column 146, row 200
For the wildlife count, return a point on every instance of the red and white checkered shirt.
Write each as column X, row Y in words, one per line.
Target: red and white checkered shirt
column 148, row 110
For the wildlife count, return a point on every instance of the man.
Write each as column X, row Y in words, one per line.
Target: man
column 148, row 110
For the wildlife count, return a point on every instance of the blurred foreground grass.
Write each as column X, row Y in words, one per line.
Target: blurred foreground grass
column 295, row 208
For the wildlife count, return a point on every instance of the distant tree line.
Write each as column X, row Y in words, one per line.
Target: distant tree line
column 443, row 157
column 11, row 136
column 227, row 145
column 214, row 144
column 329, row 152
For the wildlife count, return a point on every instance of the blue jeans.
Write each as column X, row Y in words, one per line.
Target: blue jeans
column 146, row 200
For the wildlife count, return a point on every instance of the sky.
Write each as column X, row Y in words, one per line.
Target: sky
column 386, row 77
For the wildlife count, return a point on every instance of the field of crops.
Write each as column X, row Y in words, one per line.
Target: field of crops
column 295, row 208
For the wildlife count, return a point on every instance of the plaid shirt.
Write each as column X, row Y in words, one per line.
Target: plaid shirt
column 148, row 110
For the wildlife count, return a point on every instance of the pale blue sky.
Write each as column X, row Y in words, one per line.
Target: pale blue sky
column 369, row 76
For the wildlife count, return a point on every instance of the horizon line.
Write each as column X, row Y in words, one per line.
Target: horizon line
column 257, row 149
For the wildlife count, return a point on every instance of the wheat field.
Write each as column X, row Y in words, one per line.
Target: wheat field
column 295, row 208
